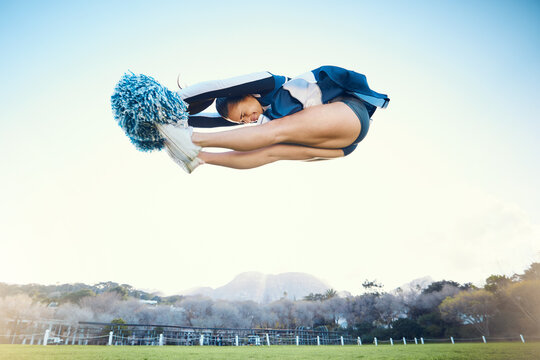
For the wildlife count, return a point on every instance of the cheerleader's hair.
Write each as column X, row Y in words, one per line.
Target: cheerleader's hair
column 139, row 102
column 223, row 103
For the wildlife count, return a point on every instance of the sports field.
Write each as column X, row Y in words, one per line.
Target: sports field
column 514, row 351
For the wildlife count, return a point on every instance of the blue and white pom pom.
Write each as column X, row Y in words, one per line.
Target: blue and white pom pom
column 139, row 102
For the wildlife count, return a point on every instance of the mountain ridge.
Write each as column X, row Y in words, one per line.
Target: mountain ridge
column 263, row 288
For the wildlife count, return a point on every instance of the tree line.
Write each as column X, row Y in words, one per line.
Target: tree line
column 503, row 306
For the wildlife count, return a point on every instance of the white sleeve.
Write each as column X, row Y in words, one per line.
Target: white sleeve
column 226, row 87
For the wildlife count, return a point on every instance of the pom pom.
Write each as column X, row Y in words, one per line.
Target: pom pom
column 139, row 103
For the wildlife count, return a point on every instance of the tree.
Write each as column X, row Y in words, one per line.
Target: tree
column 495, row 283
column 304, row 313
column 372, row 286
column 105, row 286
column 330, row 293
column 406, row 328
column 437, row 286
column 524, row 295
column 311, row 297
column 171, row 300
column 360, row 309
column 284, row 310
column 76, row 296
column 432, row 323
column 118, row 328
column 196, row 309
column 333, row 310
column 103, row 306
column 428, row 302
column 121, row 291
column 224, row 314
column 388, row 308
column 473, row 307
column 532, row 273
column 22, row 307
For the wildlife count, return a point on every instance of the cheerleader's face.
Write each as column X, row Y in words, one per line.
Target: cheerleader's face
column 246, row 111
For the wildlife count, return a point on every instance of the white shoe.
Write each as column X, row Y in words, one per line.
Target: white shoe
column 178, row 141
column 194, row 164
column 186, row 164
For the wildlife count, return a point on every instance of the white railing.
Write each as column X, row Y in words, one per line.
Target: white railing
column 46, row 338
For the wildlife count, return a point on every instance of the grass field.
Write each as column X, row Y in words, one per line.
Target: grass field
column 513, row 351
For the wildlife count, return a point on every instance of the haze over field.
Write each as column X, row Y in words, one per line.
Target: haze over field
column 501, row 308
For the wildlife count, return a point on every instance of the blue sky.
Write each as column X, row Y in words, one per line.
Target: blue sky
column 453, row 160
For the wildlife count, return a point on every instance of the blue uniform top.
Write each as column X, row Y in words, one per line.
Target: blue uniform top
column 280, row 95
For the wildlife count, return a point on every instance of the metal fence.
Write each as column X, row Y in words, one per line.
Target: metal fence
column 54, row 332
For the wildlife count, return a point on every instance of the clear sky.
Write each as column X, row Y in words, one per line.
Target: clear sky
column 445, row 184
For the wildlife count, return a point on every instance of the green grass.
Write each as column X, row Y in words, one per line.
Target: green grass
column 514, row 351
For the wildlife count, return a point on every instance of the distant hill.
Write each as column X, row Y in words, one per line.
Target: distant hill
column 264, row 288
column 64, row 292
column 255, row 286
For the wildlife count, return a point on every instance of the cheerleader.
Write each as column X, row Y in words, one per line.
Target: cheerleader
column 322, row 114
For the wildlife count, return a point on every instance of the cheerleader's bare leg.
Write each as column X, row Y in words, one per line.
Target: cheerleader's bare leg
column 328, row 126
column 255, row 158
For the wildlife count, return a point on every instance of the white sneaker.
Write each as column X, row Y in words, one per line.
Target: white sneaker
column 178, row 141
column 186, row 164
column 194, row 164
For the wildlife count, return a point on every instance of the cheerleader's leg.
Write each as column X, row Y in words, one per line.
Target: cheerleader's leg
column 328, row 126
column 255, row 158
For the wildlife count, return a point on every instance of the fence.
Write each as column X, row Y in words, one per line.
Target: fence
column 52, row 332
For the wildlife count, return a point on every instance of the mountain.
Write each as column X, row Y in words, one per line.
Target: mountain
column 264, row 288
column 204, row 291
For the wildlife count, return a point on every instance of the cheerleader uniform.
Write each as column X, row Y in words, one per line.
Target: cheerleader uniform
column 282, row 96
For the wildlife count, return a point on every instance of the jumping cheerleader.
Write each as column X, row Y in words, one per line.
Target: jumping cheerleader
column 322, row 114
